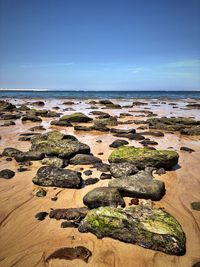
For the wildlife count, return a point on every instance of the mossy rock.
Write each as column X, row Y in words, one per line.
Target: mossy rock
column 76, row 117
column 144, row 157
column 147, row 227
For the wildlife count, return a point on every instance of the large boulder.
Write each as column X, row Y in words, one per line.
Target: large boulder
column 139, row 185
column 10, row 152
column 144, row 226
column 7, row 174
column 144, row 157
column 84, row 159
column 76, row 117
column 6, row 106
column 103, row 196
column 53, row 176
column 122, row 169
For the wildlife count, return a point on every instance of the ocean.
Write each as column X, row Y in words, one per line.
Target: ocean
column 50, row 94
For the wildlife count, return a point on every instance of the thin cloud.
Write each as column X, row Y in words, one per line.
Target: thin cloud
column 191, row 63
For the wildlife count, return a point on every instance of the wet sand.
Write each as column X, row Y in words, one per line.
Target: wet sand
column 25, row 241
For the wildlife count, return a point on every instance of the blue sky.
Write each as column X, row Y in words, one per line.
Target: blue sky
column 100, row 44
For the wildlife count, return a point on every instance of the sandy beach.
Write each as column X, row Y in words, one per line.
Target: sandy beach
column 26, row 241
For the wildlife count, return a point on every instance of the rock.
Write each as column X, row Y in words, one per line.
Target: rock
column 147, row 227
column 31, row 118
column 105, row 102
column 53, row 161
column 187, row 149
column 194, row 130
column 100, row 126
column 75, row 214
column 138, row 103
column 76, row 117
column 91, row 181
column 7, row 174
column 7, row 123
column 102, row 167
column 197, row 264
column 88, row 172
column 37, row 103
column 61, row 123
column 58, row 144
column 10, row 117
column 52, row 176
column 66, row 253
column 41, row 215
column 37, row 128
column 122, row 131
column 103, row 196
column 122, row 169
column 29, row 155
column 131, row 136
column 51, row 114
column 139, row 185
column 153, row 133
column 148, row 142
column 22, row 169
column 119, row 142
column 6, row 106
column 134, row 201
column 54, row 198
column 193, row 106
column 111, row 121
column 83, row 159
column 105, row 176
column 195, row 205
column 160, row 171
column 69, row 224
column 40, row 192
column 144, row 157
column 10, row 152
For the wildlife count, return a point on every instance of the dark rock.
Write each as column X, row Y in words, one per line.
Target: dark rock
column 91, row 181
column 122, row 169
column 119, row 142
column 69, row 224
column 102, row 167
column 6, row 106
column 29, row 155
column 10, row 117
column 84, row 159
column 184, row 148
column 37, row 128
column 148, row 142
column 22, row 169
column 138, row 103
column 7, row 174
column 66, row 253
column 134, row 201
column 193, row 106
column 54, row 198
column 76, row 117
column 144, row 157
column 153, row 133
column 195, row 206
column 147, row 227
column 9, row 159
column 88, row 172
column 122, row 131
column 139, row 185
column 31, row 118
column 41, row 215
column 52, row 176
column 61, row 123
column 37, row 103
column 41, row 192
column 99, row 141
column 10, row 152
column 197, row 264
column 103, row 196
column 75, row 214
column 7, row 123
column 53, row 161
column 105, row 176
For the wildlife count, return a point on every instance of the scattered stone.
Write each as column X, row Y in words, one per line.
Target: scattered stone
column 29, row 155
column 122, row 131
column 187, row 149
column 7, row 174
column 53, row 161
column 76, row 117
column 90, row 181
column 84, row 159
column 75, row 214
column 153, row 133
column 31, row 118
column 103, row 196
column 40, row 192
column 54, row 198
column 37, row 103
column 6, row 106
column 193, row 106
column 195, row 205
column 7, row 123
column 122, row 169
column 66, row 253
column 119, row 142
column 147, row 227
column 37, row 128
column 61, row 123
column 144, row 157
column 160, row 171
column 10, row 152
column 134, row 201
column 102, row 167
column 105, row 176
column 139, row 185
column 69, row 224
column 148, row 142
column 41, row 215
column 22, row 169
column 88, row 172
column 9, row 159
column 53, row 176
column 99, row 141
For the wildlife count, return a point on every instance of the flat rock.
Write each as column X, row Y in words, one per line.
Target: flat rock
column 187, row 149
column 76, row 117
column 29, row 156
column 53, row 161
column 147, row 227
column 122, row 169
column 144, row 157
column 139, row 185
column 75, row 214
column 119, row 142
column 84, row 159
column 58, row 177
column 10, row 152
column 103, row 196
column 195, row 205
column 41, row 215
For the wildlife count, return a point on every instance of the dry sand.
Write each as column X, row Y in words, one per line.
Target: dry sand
column 26, row 242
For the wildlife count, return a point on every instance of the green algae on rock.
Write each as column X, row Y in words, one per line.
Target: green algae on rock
column 76, row 117
column 144, row 157
column 147, row 227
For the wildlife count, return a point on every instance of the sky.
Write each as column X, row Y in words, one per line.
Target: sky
column 100, row 44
